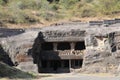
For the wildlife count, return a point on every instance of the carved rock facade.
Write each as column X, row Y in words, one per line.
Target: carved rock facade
column 83, row 48
column 66, row 48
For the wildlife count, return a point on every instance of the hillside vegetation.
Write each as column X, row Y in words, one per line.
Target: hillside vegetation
column 20, row 12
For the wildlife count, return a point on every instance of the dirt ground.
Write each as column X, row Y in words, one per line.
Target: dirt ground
column 77, row 76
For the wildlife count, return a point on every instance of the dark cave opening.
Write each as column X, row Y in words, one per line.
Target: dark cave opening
column 80, row 45
column 4, row 57
column 63, row 46
column 47, row 46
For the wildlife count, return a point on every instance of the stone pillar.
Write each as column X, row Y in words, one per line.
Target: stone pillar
column 69, row 63
column 70, row 67
column 55, row 46
column 72, row 46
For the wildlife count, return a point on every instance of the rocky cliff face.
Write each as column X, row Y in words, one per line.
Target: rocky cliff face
column 99, row 56
column 99, row 42
column 18, row 47
column 102, row 50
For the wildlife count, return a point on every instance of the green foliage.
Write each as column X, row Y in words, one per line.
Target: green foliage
column 88, row 1
column 107, row 7
column 32, row 11
column 3, row 2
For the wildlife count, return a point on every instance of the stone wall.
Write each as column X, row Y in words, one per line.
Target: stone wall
column 98, row 56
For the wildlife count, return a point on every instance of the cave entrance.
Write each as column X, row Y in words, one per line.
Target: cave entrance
column 80, row 45
column 60, row 66
column 54, row 66
column 77, row 63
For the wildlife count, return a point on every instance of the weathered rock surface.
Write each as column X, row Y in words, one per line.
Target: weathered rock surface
column 98, row 57
column 4, row 32
column 18, row 46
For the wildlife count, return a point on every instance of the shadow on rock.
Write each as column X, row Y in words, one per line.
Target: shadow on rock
column 13, row 73
column 4, row 57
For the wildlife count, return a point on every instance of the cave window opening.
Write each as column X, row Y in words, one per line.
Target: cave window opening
column 76, row 63
column 79, row 62
column 63, row 46
column 47, row 46
column 80, row 45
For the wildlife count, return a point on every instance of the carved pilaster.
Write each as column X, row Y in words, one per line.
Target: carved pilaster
column 72, row 46
column 55, row 46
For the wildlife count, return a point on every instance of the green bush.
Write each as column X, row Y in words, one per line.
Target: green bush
column 3, row 2
column 32, row 11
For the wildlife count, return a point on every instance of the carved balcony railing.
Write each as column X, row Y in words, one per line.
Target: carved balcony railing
column 66, row 54
column 70, row 52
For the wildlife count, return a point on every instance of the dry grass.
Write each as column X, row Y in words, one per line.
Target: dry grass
column 35, row 13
